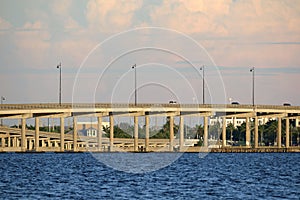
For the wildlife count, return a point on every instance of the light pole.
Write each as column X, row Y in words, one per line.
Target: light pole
column 2, row 99
column 135, row 90
column 203, row 83
column 59, row 67
column 252, row 70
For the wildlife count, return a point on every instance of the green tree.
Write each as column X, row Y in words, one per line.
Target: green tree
column 164, row 133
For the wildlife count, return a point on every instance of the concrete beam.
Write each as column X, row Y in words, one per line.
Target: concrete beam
column 126, row 114
column 281, row 115
column 196, row 114
column 52, row 115
column 17, row 116
column 242, row 115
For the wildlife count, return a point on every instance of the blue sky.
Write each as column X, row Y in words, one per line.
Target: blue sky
column 228, row 37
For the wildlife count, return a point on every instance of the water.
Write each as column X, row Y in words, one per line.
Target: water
column 216, row 176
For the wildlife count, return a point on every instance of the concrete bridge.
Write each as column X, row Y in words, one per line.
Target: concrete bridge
column 22, row 140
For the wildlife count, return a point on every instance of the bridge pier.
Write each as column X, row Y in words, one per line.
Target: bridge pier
column 43, row 143
column 181, row 132
column 23, row 135
column 287, row 132
column 111, row 135
column 256, row 132
column 136, row 134
column 147, row 135
column 75, row 134
column 99, row 128
column 248, row 134
column 205, row 132
column 14, row 142
column 62, row 134
column 171, row 141
column 224, row 132
column 37, row 134
column 30, row 143
column 279, row 132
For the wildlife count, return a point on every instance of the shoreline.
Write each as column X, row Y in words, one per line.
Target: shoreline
column 187, row 150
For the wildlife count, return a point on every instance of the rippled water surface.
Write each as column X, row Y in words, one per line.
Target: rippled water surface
column 216, row 176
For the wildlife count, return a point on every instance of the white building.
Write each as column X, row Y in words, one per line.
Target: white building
column 90, row 128
column 236, row 121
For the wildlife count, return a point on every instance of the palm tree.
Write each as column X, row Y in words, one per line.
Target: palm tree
column 230, row 128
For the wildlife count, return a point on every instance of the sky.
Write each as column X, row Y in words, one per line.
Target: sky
column 97, row 42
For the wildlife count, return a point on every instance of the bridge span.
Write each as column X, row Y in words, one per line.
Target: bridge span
column 23, row 140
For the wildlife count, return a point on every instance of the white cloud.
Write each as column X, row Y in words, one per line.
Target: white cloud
column 61, row 7
column 111, row 16
column 32, row 44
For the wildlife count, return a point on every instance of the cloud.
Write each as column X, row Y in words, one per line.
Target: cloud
column 239, row 19
column 111, row 16
column 32, row 44
column 61, row 7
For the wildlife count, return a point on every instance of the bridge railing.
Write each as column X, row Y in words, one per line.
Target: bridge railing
column 142, row 105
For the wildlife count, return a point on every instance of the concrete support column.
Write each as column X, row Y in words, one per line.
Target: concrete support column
column 147, row 136
column 74, row 134
column 99, row 128
column 224, row 132
column 171, row 133
column 3, row 142
column 136, row 134
column 248, row 132
column 279, row 132
column 287, row 132
column 233, row 122
column 43, row 143
column 62, row 134
column 181, row 132
column 30, row 143
column 111, row 136
column 18, row 142
column 37, row 134
column 14, row 143
column 23, row 135
column 256, row 132
column 205, row 132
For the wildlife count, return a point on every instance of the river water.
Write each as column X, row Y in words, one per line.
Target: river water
column 213, row 176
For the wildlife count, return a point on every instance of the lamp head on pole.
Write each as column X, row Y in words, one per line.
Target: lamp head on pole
column 133, row 66
column 58, row 66
column 252, row 69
